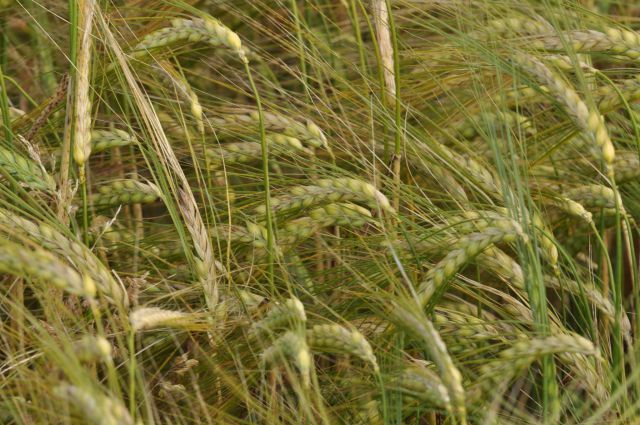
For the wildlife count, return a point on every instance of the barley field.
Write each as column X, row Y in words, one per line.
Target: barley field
column 319, row 212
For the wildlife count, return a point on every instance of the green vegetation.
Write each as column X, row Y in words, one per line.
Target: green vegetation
column 319, row 212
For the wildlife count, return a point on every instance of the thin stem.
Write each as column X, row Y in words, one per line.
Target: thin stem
column 266, row 184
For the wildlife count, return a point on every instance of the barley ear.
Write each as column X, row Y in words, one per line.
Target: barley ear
column 82, row 140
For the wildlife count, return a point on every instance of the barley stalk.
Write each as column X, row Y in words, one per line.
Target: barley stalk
column 171, row 77
column 338, row 339
column 244, row 120
column 207, row 30
column 25, row 170
column 588, row 120
column 43, row 266
column 82, row 133
column 82, row 257
column 102, row 140
column 289, row 314
column 96, row 408
column 593, row 196
column 328, row 191
column 467, row 248
column 206, row 267
column 380, row 14
column 291, row 346
column 145, row 318
column 418, row 381
column 246, row 152
column 413, row 318
column 125, row 192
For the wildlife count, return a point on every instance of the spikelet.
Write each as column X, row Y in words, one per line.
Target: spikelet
column 328, row 191
column 518, row 25
column 291, row 346
column 594, row 196
column 591, row 293
column 573, row 208
column 92, row 348
column 338, row 214
column 338, row 339
column 25, row 170
column 145, row 318
column 102, row 140
column 546, row 240
column 564, row 63
column 627, row 166
column 298, row 271
column 420, row 382
column 414, row 319
column 381, row 23
column 445, row 179
column 289, row 314
column 611, row 40
column 478, row 172
column 52, row 240
column 247, row 120
column 96, row 408
column 207, row 268
column 125, row 192
column 252, row 233
column 208, row 30
column 246, row 152
column 589, row 121
column 610, row 97
column 624, row 42
column 496, row 261
column 467, row 248
column 43, row 266
column 522, row 352
column 82, row 133
column 171, row 77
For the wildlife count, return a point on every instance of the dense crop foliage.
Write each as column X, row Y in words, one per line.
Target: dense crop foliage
column 319, row 212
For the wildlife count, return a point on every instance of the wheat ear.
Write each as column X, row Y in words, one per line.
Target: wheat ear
column 422, row 383
column 289, row 314
column 171, row 77
column 246, row 152
column 467, row 248
column 310, row 134
column 208, row 30
column 96, row 408
column 43, row 266
column 145, row 318
column 328, row 191
column 336, row 338
column 128, row 191
column 413, row 319
column 291, row 346
column 82, row 140
column 25, row 170
column 67, row 247
column 102, row 140
column 588, row 120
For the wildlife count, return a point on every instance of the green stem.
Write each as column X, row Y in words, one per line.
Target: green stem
column 266, row 185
